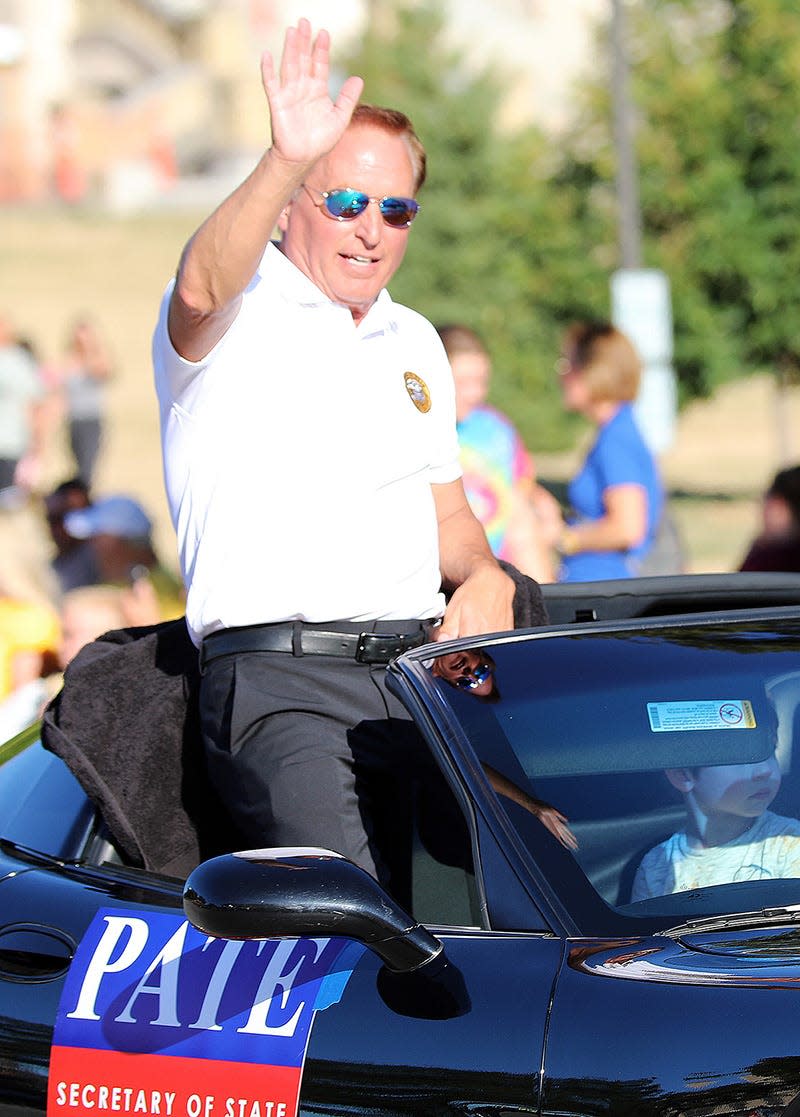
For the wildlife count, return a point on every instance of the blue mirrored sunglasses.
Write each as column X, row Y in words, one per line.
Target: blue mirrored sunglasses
column 346, row 204
column 475, row 678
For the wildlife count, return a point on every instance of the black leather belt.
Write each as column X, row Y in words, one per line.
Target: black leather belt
column 296, row 638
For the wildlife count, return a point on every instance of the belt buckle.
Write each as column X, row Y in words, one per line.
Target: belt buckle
column 379, row 647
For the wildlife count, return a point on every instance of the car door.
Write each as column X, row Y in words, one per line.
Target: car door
column 382, row 1050
column 49, row 895
column 111, row 1002
column 45, row 909
column 155, row 1011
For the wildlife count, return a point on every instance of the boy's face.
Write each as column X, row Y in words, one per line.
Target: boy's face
column 743, row 790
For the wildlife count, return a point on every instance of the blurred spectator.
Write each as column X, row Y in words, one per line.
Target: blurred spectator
column 74, row 562
column 777, row 546
column 29, row 636
column 48, row 412
column 69, row 175
column 86, row 613
column 85, row 371
column 521, row 519
column 120, row 533
column 616, row 497
column 21, row 394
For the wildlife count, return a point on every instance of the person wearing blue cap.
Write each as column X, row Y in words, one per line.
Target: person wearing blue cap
column 118, row 516
column 120, row 534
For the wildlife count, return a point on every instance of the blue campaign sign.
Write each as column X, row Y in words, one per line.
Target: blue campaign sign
column 155, row 1016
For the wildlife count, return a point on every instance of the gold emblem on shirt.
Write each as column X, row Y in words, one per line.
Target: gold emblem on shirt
column 418, row 392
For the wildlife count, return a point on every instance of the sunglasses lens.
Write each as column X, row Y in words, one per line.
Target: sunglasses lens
column 399, row 212
column 346, row 204
column 475, row 678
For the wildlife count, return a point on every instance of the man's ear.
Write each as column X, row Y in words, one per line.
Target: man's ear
column 283, row 219
column 681, row 778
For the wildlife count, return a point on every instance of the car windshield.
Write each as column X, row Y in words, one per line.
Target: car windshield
column 672, row 754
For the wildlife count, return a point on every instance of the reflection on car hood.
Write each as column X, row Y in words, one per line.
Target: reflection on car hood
column 758, row 957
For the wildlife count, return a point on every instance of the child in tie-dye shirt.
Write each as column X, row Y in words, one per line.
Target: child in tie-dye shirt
column 520, row 517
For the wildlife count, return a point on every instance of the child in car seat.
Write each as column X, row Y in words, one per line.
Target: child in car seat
column 730, row 835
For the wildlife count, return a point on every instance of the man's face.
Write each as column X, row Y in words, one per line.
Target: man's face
column 469, row 670
column 351, row 261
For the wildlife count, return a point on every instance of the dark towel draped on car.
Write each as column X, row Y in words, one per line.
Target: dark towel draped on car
column 126, row 724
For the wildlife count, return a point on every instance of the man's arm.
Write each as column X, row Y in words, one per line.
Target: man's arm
column 549, row 816
column 221, row 257
column 482, row 593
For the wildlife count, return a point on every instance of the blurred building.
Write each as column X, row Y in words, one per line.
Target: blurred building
column 103, row 98
column 109, row 101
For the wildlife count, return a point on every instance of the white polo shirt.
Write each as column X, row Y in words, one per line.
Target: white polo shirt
column 299, row 457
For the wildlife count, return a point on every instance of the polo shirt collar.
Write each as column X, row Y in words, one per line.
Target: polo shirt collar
column 298, row 288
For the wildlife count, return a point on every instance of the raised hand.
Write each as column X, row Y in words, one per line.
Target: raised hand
column 306, row 123
column 222, row 256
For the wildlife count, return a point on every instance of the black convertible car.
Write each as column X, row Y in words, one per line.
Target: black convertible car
column 604, row 861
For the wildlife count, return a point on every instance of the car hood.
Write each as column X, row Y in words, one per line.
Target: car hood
column 760, row 956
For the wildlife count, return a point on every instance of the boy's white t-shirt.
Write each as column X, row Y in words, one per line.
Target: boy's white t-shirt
column 769, row 849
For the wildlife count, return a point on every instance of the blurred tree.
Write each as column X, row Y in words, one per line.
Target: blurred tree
column 762, row 53
column 718, row 100
column 517, row 236
column 495, row 244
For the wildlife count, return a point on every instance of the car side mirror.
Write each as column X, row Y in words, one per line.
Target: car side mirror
column 304, row 893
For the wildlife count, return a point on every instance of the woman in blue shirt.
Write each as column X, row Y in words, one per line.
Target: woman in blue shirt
column 617, row 496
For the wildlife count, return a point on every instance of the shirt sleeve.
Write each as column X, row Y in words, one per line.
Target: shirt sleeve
column 173, row 374
column 619, row 462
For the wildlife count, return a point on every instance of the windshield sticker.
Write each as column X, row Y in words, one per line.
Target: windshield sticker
column 675, row 717
column 160, row 1020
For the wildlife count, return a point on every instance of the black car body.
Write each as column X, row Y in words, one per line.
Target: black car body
column 526, row 979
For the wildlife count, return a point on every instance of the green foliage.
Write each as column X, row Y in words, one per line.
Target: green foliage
column 516, row 237
column 492, row 246
column 762, row 51
column 716, row 91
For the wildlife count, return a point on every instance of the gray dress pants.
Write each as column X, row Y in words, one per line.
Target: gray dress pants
column 314, row 751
